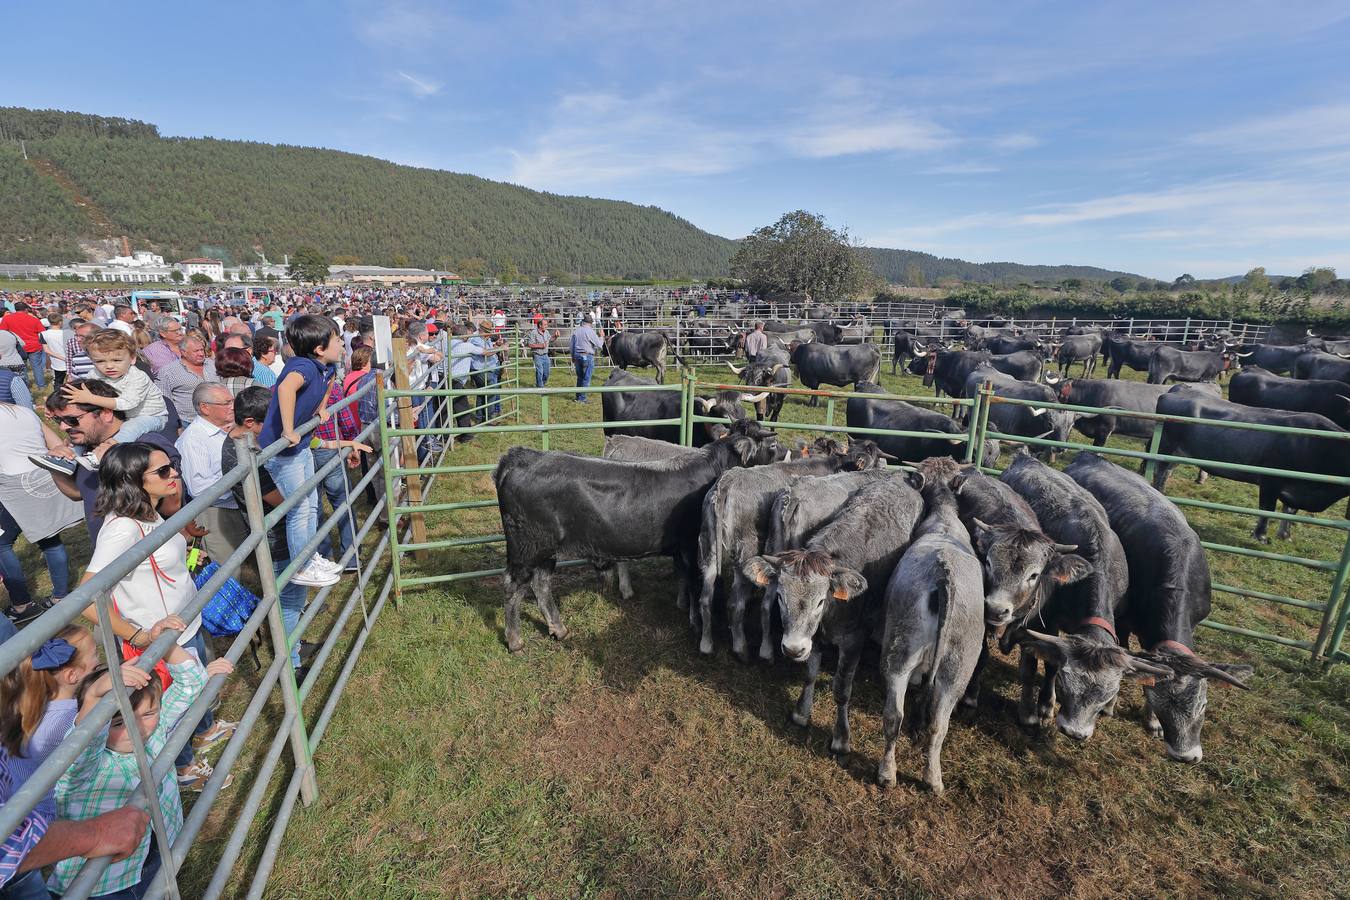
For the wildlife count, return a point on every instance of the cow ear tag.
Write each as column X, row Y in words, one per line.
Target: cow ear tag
column 840, row 594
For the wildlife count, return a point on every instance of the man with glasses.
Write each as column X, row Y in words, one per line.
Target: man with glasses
column 91, row 429
column 200, row 446
column 166, row 350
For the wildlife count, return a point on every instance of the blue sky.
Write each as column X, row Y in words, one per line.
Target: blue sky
column 1159, row 138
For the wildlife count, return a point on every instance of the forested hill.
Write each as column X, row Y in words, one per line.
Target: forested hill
column 228, row 198
column 901, row 266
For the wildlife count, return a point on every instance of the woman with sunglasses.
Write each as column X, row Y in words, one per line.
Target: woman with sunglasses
column 133, row 478
column 31, row 506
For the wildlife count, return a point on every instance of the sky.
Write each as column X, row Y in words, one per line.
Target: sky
column 1156, row 138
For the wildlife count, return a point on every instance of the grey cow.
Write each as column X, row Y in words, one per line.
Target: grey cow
column 829, row 590
column 735, row 525
column 934, row 634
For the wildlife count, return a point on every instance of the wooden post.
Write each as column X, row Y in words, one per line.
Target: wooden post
column 408, row 419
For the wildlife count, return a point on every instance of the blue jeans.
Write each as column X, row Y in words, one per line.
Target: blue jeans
column 149, row 869
column 133, row 428
column 37, row 364
column 491, row 377
column 52, row 549
column 542, row 366
column 335, row 488
column 198, row 643
column 292, row 599
column 585, row 366
column 28, row 886
column 302, row 521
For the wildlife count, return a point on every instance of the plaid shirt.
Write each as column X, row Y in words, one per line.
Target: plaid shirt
column 19, row 844
column 346, row 421
column 101, row 780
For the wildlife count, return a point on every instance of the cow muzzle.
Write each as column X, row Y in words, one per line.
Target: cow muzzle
column 797, row 652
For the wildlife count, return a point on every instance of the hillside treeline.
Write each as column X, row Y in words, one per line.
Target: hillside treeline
column 916, row 269
column 17, row 123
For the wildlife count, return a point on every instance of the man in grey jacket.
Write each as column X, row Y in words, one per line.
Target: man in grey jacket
column 585, row 344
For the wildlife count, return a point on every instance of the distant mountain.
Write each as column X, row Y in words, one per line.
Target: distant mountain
column 894, row 266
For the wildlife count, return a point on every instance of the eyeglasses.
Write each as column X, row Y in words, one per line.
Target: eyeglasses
column 163, row 471
column 229, row 402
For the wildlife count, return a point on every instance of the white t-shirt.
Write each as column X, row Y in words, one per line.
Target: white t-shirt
column 145, row 596
column 20, row 437
column 124, row 327
column 54, row 342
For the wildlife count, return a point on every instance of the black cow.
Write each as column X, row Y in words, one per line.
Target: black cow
column 818, row 364
column 822, row 332
column 1169, row 594
column 1292, row 452
column 1189, row 365
column 1079, row 347
column 557, row 505
column 1322, row 366
column 1004, row 344
column 946, row 371
column 1086, row 666
column 772, row 368
column 1014, row 418
column 642, row 406
column 1272, row 357
column 830, row 588
column 1255, row 386
column 641, row 348
column 1024, row 365
column 1121, row 351
column 897, row 415
column 1135, row 396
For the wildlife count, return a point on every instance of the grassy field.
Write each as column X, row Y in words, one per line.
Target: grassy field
column 621, row 762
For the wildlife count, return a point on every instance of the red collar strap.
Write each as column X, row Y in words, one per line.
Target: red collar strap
column 1175, row 646
column 1101, row 623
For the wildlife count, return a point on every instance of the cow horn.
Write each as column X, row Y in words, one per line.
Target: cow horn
column 754, row 398
column 1244, row 355
column 706, row 403
column 1043, row 435
column 911, row 464
column 1038, row 410
column 1065, row 548
column 1342, row 355
column 777, row 367
column 734, row 369
column 884, row 455
column 1310, row 334
column 920, row 353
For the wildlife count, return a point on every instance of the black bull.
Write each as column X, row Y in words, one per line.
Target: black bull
column 646, row 349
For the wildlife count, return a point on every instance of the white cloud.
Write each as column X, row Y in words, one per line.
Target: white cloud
column 970, row 168
column 421, row 87
column 1011, row 143
column 903, row 132
column 1311, row 128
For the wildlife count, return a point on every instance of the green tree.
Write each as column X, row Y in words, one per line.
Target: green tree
column 801, row 254
column 507, row 273
column 471, row 267
column 308, row 265
column 1183, row 282
column 914, row 275
column 400, row 260
column 346, row 260
column 1121, row 283
column 176, row 276
column 1256, row 280
column 199, row 278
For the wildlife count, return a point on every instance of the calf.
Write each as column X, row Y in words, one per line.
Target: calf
column 735, row 524
column 1189, row 365
column 1121, row 351
column 829, row 590
column 557, row 505
column 641, row 348
column 934, row 634
column 1079, row 348
column 1087, row 666
column 1169, row 594
column 948, row 438
column 1014, row 418
column 1123, row 395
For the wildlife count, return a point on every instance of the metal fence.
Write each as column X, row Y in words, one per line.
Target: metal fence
column 1334, row 609
column 298, row 731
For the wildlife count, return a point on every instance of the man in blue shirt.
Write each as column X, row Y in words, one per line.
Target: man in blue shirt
column 464, row 351
column 585, row 344
column 487, row 369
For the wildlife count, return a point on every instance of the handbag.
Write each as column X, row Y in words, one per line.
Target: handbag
column 229, row 609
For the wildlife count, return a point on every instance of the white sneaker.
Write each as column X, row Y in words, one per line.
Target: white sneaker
column 325, row 563
column 315, row 576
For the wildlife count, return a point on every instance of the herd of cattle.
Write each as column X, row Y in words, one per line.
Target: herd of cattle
column 839, row 549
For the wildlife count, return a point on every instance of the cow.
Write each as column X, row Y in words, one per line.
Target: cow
column 1333, row 345
column 856, row 331
column 1272, row 357
column 1254, row 386
column 1121, row 351
column 1271, row 450
column 1316, row 365
column 771, row 368
column 1168, row 596
column 1014, row 418
column 735, row 524
column 1024, row 365
column 820, row 331
column 1134, row 396
column 948, row 437
column 904, row 346
column 1189, row 365
column 1084, row 610
column 946, row 371
column 557, row 505
column 829, row 589
column 641, row 348
column 1002, row 344
column 818, row 364
column 934, row 629
column 641, row 406
column 1079, row 348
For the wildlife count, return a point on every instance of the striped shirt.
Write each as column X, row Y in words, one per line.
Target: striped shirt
column 177, row 383
column 19, row 844
column 102, row 780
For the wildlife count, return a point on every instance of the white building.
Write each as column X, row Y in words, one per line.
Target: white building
column 211, row 268
column 139, row 259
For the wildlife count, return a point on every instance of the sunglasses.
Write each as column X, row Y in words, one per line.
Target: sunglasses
column 162, row 471
column 71, row 421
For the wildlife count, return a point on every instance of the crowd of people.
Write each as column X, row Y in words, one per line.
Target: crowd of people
column 112, row 417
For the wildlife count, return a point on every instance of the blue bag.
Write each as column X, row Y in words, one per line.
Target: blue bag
column 226, row 613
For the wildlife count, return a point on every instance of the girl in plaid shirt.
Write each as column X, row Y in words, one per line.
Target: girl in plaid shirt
column 105, row 777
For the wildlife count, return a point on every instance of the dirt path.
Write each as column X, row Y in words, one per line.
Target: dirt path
column 97, row 217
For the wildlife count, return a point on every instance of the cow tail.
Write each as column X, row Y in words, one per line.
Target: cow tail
column 876, row 370
column 709, row 541
column 939, row 605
